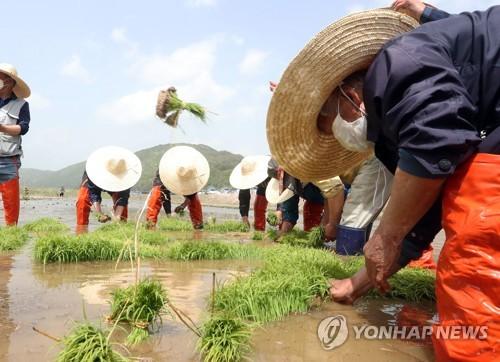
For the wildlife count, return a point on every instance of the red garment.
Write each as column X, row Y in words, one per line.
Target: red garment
column 83, row 206
column 11, row 201
column 259, row 211
column 312, row 215
column 426, row 261
column 154, row 205
column 195, row 211
column 468, row 272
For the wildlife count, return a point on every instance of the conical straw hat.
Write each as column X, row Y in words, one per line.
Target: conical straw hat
column 250, row 172
column 21, row 89
column 346, row 46
column 113, row 169
column 184, row 170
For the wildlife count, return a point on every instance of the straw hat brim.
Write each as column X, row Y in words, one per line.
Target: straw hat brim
column 21, row 89
column 242, row 182
column 273, row 192
column 98, row 173
column 182, row 156
column 346, row 46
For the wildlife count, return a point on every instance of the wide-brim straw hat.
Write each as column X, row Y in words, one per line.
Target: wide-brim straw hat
column 344, row 47
column 273, row 194
column 21, row 89
column 113, row 169
column 184, row 170
column 250, row 172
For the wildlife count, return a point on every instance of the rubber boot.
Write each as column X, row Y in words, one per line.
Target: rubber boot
column 259, row 211
column 154, row 206
column 195, row 212
column 312, row 215
column 11, row 201
column 83, row 206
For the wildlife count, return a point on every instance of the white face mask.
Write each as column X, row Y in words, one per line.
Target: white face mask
column 351, row 135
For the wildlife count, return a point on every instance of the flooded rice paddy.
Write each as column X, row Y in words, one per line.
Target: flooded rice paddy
column 51, row 297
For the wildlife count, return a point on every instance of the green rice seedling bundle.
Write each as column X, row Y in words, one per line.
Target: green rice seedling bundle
column 272, row 234
column 169, row 107
column 224, row 339
column 142, row 306
column 211, row 250
column 174, row 224
column 299, row 238
column 272, row 219
column 12, row 238
column 413, row 284
column 71, row 249
column 316, row 237
column 228, row 226
column 45, row 226
column 87, row 343
column 258, row 236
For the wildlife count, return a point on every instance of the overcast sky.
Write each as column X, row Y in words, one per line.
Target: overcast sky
column 95, row 67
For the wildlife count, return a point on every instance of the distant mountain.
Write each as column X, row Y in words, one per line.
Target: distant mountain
column 221, row 165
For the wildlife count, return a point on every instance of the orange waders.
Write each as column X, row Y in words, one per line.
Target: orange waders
column 312, row 214
column 468, row 271
column 259, row 211
column 195, row 211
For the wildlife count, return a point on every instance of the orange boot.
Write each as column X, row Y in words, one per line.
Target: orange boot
column 83, row 206
column 154, row 206
column 195, row 211
column 312, row 215
column 11, row 201
column 259, row 212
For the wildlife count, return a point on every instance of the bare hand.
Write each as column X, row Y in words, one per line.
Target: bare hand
column 414, row 8
column 381, row 258
column 103, row 218
column 341, row 291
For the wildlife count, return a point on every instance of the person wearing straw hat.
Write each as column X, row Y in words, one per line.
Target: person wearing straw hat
column 185, row 171
column 14, row 123
column 252, row 172
column 432, row 113
column 159, row 197
column 111, row 169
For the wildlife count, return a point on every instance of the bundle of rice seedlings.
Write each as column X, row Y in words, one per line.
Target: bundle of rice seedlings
column 169, row 107
column 87, row 343
column 196, row 250
column 224, row 339
column 227, row 227
column 12, row 238
column 272, row 219
column 141, row 306
column 316, row 237
column 72, row 249
column 272, row 234
column 46, row 225
column 413, row 284
column 258, row 236
column 299, row 238
column 174, row 224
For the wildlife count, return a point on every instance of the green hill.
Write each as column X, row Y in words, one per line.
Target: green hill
column 221, row 165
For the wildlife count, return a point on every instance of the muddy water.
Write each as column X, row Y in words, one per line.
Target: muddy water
column 51, row 297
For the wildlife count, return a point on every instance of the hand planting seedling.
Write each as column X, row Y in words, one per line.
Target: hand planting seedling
column 169, row 107
column 273, row 219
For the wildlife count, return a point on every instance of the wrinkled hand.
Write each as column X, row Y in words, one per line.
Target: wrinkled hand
column 179, row 209
column 414, row 8
column 381, row 257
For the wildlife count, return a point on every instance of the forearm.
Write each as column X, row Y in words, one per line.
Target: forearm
column 411, row 197
column 118, row 212
column 11, row 130
column 97, row 207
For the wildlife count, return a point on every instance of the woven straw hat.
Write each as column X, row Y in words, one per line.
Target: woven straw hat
column 114, row 169
column 250, row 172
column 273, row 194
column 346, row 46
column 184, row 170
column 21, row 89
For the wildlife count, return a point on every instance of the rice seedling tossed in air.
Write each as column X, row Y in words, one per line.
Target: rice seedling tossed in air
column 169, row 107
